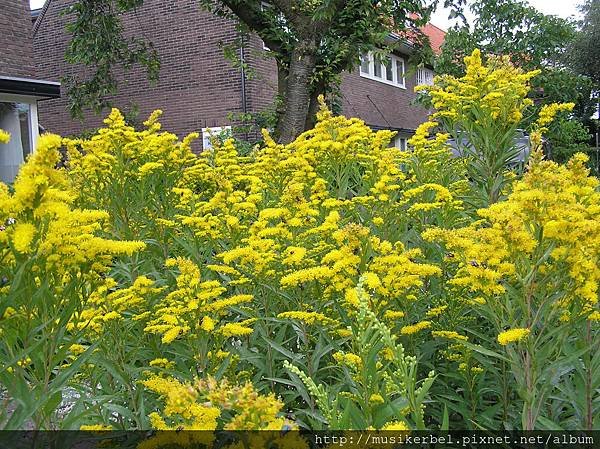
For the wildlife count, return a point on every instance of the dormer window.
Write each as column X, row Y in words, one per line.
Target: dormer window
column 388, row 70
column 424, row 76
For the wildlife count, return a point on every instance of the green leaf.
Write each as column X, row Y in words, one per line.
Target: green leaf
column 484, row 351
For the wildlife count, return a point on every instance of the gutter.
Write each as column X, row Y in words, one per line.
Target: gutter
column 41, row 89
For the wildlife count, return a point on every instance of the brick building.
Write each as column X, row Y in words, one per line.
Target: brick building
column 198, row 88
column 20, row 88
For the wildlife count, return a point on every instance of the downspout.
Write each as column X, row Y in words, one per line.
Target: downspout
column 243, row 75
column 243, row 85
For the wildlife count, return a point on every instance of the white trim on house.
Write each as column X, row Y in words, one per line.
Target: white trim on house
column 424, row 76
column 215, row 131
column 34, row 126
column 400, row 142
column 393, row 72
column 34, row 131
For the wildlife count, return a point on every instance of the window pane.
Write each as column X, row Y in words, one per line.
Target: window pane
column 402, row 143
column 14, row 118
column 377, row 66
column 216, row 132
column 400, row 72
column 424, row 76
column 24, row 125
column 389, row 71
column 364, row 64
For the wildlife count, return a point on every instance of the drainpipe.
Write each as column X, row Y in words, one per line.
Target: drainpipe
column 243, row 75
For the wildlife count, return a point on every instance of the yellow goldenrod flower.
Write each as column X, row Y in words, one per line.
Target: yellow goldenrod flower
column 208, row 324
column 235, row 330
column 451, row 335
column 24, row 234
column 376, row 399
column 414, row 328
column 307, row 317
column 4, row 136
column 395, row 426
column 512, row 335
column 95, row 428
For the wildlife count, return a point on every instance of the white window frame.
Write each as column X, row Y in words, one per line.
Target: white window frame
column 424, row 76
column 396, row 61
column 34, row 130
column 207, row 133
column 400, row 142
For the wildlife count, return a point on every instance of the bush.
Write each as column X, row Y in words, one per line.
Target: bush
column 331, row 283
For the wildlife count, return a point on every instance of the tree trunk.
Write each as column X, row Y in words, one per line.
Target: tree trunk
column 282, row 77
column 297, row 91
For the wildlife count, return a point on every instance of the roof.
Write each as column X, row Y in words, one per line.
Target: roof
column 35, row 13
column 39, row 16
column 436, row 36
column 39, row 89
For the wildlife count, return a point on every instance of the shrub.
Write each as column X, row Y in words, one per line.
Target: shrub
column 333, row 282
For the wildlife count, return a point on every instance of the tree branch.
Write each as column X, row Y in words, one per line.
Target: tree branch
column 251, row 14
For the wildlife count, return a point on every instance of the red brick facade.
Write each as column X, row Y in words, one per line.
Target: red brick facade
column 15, row 39
column 381, row 105
column 198, row 87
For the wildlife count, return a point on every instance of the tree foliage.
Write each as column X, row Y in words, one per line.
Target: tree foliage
column 507, row 27
column 312, row 41
column 532, row 40
column 585, row 49
column 99, row 42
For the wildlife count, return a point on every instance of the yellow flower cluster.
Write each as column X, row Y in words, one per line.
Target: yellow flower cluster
column 513, row 335
column 549, row 111
column 92, row 162
column 497, row 88
column 553, row 208
column 349, row 359
column 290, row 215
column 307, row 317
column 414, row 328
column 4, row 136
column 45, row 227
column 95, row 428
column 195, row 306
column 108, row 304
column 546, row 116
column 119, row 162
column 181, row 406
column 199, row 406
column 451, row 335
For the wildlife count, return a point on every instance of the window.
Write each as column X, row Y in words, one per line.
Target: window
column 398, row 142
column 424, row 76
column 218, row 132
column 390, row 70
column 19, row 118
column 365, row 64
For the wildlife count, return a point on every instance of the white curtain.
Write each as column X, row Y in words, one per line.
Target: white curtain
column 11, row 153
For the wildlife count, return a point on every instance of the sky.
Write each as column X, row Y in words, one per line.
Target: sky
column 561, row 8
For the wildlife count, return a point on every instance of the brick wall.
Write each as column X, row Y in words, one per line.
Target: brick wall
column 262, row 77
column 382, row 105
column 15, row 39
column 197, row 87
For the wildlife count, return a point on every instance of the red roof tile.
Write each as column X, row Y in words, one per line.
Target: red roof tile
column 436, row 36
